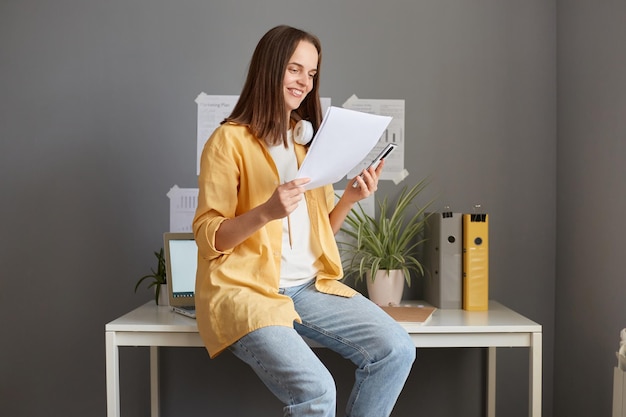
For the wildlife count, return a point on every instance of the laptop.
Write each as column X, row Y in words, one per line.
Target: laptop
column 181, row 262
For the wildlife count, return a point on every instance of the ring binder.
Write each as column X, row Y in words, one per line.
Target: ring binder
column 475, row 262
column 443, row 261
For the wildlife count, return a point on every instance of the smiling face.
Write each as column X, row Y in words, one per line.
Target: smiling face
column 299, row 75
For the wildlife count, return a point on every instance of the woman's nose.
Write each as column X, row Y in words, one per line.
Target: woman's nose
column 304, row 80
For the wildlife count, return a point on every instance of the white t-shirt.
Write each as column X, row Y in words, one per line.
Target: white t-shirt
column 297, row 261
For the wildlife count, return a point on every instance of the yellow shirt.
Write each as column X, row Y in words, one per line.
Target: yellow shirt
column 237, row 289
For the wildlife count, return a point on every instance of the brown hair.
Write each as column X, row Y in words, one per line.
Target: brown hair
column 261, row 104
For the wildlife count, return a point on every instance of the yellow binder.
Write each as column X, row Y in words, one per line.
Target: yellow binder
column 475, row 262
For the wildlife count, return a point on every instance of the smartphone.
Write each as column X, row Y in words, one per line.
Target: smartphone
column 382, row 155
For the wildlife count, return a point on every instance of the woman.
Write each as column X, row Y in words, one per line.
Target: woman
column 258, row 291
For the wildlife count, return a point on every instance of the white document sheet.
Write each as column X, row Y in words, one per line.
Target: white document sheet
column 183, row 204
column 344, row 138
column 212, row 110
column 394, row 164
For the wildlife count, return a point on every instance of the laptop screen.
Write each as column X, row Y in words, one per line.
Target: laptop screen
column 182, row 262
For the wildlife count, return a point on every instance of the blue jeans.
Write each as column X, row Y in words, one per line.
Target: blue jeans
column 355, row 328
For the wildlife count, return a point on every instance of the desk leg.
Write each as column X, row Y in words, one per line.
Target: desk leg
column 112, row 375
column 155, row 404
column 491, row 381
column 535, row 375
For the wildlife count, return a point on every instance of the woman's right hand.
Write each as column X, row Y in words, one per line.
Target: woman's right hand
column 283, row 201
column 286, row 198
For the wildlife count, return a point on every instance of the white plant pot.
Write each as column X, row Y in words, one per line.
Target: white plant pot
column 387, row 287
column 164, row 299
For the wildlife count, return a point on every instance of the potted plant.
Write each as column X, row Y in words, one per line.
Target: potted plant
column 385, row 249
column 158, row 278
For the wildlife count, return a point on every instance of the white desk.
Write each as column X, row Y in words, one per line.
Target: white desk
column 153, row 326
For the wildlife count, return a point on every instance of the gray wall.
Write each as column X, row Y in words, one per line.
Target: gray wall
column 591, row 284
column 97, row 121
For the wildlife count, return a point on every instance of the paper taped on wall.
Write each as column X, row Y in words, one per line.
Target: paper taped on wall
column 183, row 203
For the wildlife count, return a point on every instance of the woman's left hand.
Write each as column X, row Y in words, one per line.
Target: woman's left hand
column 366, row 184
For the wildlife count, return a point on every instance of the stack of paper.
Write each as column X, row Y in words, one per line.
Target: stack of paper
column 344, row 138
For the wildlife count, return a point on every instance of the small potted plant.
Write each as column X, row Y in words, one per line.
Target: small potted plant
column 158, row 278
column 385, row 250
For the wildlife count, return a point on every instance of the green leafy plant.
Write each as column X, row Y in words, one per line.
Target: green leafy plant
column 389, row 243
column 158, row 276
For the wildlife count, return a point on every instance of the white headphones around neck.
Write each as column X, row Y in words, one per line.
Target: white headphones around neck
column 303, row 132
